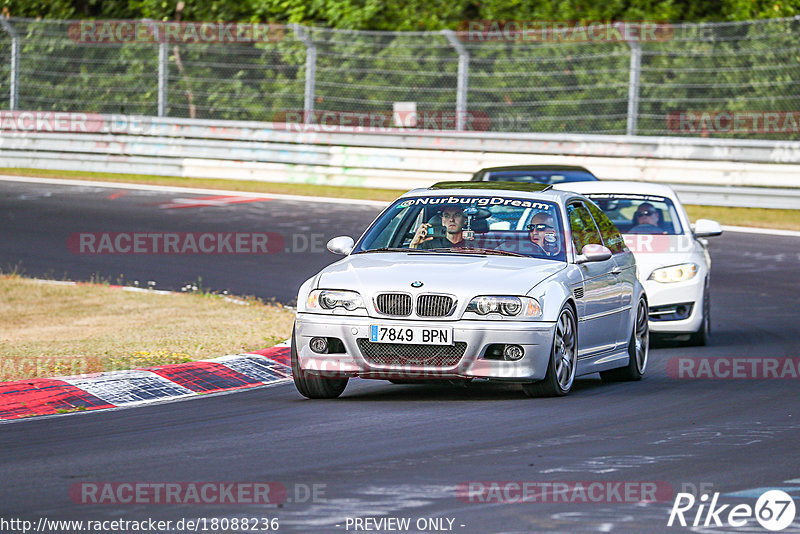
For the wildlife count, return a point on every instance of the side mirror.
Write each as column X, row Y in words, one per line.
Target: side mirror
column 341, row 245
column 706, row 228
column 593, row 252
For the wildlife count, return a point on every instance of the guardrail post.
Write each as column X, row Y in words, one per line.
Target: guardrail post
column 462, row 79
column 633, row 87
column 311, row 72
column 13, row 97
column 163, row 74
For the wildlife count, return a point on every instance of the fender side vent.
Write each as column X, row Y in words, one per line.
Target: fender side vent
column 578, row 292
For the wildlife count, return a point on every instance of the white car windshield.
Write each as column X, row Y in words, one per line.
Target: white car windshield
column 639, row 214
column 477, row 224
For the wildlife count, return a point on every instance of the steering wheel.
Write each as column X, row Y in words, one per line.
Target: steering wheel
column 646, row 229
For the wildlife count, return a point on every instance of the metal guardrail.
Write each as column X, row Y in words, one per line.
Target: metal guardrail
column 744, row 197
column 505, row 76
column 396, row 158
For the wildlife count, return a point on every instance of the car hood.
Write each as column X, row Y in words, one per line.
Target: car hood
column 457, row 273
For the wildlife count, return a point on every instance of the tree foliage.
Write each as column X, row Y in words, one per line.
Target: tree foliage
column 521, row 86
column 406, row 15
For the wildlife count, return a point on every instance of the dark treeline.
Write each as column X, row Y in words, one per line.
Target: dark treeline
column 402, row 14
column 514, row 85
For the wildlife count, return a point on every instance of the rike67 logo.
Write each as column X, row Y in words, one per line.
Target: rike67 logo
column 774, row 510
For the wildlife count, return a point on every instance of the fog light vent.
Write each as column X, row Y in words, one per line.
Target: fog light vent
column 319, row 345
column 513, row 353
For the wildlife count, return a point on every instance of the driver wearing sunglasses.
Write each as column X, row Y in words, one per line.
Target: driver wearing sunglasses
column 647, row 220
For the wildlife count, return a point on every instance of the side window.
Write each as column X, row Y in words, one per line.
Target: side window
column 611, row 236
column 388, row 235
column 584, row 231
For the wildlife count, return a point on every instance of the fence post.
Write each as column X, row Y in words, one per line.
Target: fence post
column 163, row 75
column 311, row 72
column 462, row 80
column 633, row 87
column 13, row 97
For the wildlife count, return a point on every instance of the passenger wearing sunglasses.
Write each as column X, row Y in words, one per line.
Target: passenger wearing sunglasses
column 542, row 232
column 542, row 238
column 647, row 220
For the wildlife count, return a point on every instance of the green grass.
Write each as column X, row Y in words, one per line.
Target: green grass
column 311, row 190
column 52, row 329
column 757, row 217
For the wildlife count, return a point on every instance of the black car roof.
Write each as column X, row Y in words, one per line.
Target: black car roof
column 512, row 186
column 533, row 168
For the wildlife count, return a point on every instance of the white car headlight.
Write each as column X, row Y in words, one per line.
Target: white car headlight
column 506, row 306
column 329, row 299
column 674, row 273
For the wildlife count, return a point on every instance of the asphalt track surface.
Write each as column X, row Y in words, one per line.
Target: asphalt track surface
column 385, row 450
column 37, row 220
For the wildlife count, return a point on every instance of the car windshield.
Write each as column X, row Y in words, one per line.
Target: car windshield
column 473, row 224
column 639, row 214
column 540, row 176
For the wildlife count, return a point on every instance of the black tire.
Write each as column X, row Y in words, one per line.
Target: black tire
column 638, row 350
column 700, row 338
column 314, row 386
column 563, row 359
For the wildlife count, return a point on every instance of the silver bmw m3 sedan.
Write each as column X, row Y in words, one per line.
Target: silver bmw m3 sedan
column 461, row 281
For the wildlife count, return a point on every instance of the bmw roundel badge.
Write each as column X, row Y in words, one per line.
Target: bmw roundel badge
column 416, row 283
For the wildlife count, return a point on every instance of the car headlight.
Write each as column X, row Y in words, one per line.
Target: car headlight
column 329, row 299
column 674, row 273
column 506, row 306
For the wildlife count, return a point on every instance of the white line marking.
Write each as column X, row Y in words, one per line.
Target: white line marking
column 112, row 286
column 299, row 198
column 763, row 231
column 190, row 190
column 144, row 403
column 120, row 388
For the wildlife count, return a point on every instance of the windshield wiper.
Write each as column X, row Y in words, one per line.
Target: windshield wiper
column 388, row 249
column 463, row 250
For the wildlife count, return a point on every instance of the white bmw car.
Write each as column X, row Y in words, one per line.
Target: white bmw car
column 671, row 255
column 467, row 280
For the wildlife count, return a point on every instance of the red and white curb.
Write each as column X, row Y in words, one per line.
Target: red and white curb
column 117, row 389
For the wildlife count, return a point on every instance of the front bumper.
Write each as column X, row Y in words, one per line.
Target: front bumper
column 536, row 338
column 688, row 292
